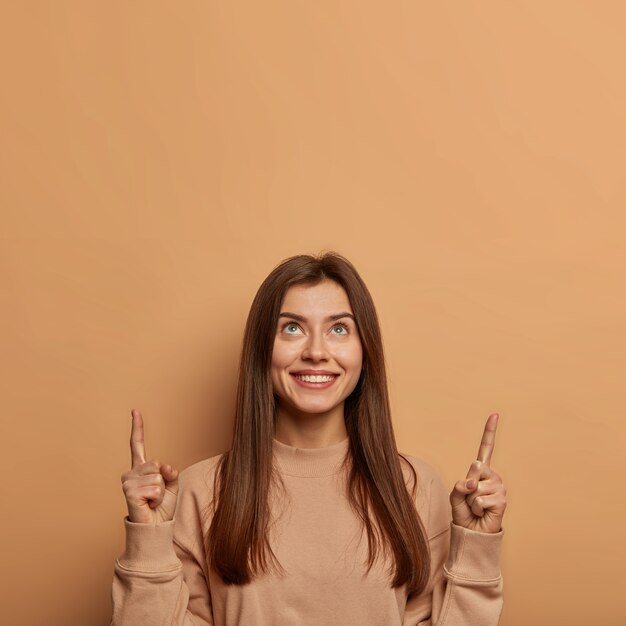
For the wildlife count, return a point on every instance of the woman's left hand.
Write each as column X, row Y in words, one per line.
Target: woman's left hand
column 478, row 502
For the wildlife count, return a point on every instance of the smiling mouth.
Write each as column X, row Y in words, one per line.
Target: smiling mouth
column 317, row 378
column 315, row 382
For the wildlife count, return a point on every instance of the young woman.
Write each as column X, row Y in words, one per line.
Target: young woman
column 312, row 517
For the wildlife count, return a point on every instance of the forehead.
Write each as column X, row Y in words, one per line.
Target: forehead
column 325, row 297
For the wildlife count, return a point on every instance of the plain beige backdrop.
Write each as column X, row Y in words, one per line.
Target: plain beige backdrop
column 158, row 159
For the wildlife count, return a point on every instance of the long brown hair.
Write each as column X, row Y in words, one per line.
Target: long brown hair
column 237, row 544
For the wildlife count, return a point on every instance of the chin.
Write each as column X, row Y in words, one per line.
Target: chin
column 313, row 408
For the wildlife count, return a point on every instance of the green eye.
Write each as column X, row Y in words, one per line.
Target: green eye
column 291, row 324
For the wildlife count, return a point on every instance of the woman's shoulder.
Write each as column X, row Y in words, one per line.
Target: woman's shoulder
column 193, row 505
column 199, row 476
column 425, row 470
column 431, row 497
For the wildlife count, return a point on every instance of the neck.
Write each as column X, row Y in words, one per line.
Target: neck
column 310, row 430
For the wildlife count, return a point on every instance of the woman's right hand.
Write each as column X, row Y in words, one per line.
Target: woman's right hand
column 150, row 487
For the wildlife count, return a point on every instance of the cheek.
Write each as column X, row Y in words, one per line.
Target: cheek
column 353, row 365
column 283, row 356
column 351, row 356
column 275, row 370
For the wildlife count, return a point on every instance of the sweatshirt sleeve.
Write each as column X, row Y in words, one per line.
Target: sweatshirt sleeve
column 465, row 585
column 161, row 579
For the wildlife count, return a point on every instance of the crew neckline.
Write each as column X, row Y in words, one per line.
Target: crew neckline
column 311, row 462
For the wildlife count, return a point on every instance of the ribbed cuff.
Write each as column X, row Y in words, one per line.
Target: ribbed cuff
column 474, row 555
column 149, row 547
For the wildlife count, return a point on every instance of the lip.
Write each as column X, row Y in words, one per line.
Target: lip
column 320, row 386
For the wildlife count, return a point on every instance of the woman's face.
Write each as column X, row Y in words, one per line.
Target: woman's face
column 315, row 335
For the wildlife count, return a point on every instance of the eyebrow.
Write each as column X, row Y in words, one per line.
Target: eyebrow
column 330, row 318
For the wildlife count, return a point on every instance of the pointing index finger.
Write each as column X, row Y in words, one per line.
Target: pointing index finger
column 137, row 450
column 489, row 439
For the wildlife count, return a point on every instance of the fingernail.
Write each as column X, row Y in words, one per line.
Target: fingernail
column 470, row 484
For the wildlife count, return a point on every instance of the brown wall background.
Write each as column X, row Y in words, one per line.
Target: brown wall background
column 159, row 159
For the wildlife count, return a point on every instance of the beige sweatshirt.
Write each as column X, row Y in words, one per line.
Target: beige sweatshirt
column 162, row 577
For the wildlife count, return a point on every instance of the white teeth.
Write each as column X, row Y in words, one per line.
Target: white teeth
column 315, row 379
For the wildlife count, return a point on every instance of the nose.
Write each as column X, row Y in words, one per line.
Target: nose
column 315, row 348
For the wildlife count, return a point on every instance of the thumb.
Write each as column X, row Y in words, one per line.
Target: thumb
column 170, row 476
column 461, row 489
